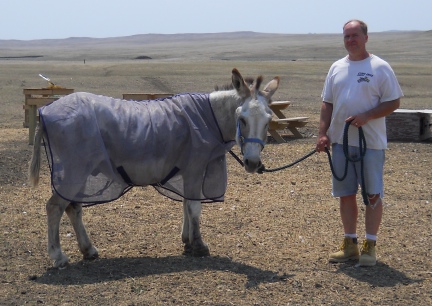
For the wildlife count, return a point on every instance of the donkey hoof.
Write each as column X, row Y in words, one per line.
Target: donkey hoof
column 61, row 264
column 201, row 251
column 188, row 250
column 92, row 254
column 91, row 257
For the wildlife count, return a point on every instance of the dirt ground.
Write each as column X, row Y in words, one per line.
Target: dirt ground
column 269, row 240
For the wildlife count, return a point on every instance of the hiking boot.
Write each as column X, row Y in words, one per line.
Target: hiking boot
column 348, row 251
column 368, row 253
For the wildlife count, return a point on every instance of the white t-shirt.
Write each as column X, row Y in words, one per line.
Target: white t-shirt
column 354, row 87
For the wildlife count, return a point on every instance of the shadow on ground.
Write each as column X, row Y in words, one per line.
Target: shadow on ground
column 380, row 275
column 109, row 269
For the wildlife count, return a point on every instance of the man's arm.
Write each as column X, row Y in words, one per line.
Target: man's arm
column 382, row 110
column 325, row 120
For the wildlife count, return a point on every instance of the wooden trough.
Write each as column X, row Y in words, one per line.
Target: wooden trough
column 407, row 124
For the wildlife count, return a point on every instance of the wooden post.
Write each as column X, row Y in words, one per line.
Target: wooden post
column 32, row 114
column 35, row 98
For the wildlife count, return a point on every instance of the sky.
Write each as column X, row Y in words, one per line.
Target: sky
column 47, row 19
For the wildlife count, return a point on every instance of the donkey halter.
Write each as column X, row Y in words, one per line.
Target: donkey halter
column 255, row 89
column 244, row 140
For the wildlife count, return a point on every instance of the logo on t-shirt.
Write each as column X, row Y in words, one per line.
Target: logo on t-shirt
column 364, row 77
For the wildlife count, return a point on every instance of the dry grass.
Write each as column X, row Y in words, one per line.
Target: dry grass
column 269, row 240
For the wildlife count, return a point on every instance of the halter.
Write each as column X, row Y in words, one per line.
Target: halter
column 244, row 140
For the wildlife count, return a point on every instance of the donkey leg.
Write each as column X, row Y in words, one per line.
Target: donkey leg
column 74, row 212
column 185, row 231
column 55, row 208
column 191, row 234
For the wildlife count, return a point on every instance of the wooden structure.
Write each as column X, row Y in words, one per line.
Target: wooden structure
column 281, row 122
column 408, row 124
column 145, row 96
column 35, row 98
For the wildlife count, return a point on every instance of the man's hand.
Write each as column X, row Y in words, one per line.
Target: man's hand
column 322, row 143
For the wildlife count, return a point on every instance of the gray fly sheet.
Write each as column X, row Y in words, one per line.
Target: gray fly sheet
column 99, row 147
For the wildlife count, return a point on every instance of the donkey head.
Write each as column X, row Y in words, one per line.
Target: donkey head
column 252, row 118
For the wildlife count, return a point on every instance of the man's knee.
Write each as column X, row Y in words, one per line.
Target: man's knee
column 374, row 199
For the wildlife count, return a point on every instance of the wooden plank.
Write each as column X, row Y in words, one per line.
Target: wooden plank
column 286, row 123
column 279, row 105
column 276, row 136
column 48, row 91
column 291, row 119
column 404, row 110
column 274, row 125
column 282, row 123
column 295, row 132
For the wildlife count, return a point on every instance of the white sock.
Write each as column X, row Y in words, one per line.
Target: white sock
column 371, row 237
column 351, row 235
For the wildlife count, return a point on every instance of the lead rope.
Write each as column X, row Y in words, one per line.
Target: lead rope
column 362, row 146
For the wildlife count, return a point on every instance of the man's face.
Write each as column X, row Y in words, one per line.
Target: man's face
column 354, row 39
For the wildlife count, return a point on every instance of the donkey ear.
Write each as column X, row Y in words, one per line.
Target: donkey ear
column 271, row 88
column 239, row 84
column 258, row 82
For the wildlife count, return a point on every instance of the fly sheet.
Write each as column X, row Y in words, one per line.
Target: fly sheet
column 99, row 147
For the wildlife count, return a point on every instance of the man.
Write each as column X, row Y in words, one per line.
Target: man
column 361, row 89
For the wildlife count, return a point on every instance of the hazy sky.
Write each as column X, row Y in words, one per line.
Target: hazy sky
column 40, row 19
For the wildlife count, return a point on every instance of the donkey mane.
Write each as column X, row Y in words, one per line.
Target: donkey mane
column 230, row 86
column 249, row 81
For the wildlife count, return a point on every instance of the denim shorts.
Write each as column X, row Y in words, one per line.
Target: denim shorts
column 373, row 168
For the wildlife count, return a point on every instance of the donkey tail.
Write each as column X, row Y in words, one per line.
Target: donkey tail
column 34, row 168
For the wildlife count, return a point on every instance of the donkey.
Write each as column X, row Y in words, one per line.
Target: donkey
column 99, row 147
